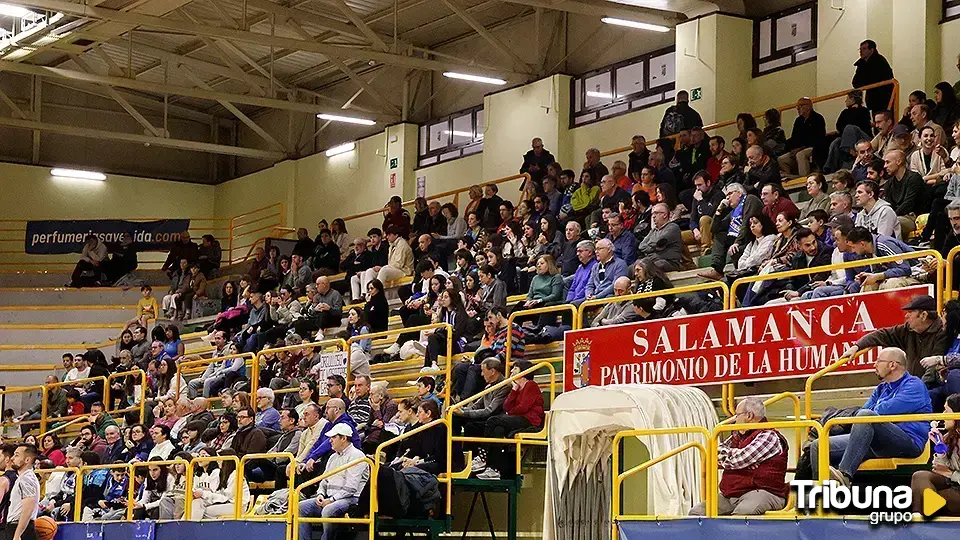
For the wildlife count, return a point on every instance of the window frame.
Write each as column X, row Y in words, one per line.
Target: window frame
column 667, row 91
column 948, row 5
column 476, row 141
column 785, row 53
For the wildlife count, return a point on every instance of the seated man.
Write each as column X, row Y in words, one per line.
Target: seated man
column 836, row 283
column 891, row 275
column 89, row 269
column 730, row 235
column 267, row 415
column 338, row 492
column 616, row 312
column 336, row 414
column 812, row 254
column 399, row 259
column 663, row 245
column 706, row 199
column 904, row 191
column 899, row 392
column 754, row 464
column 221, row 374
column 624, row 242
column 922, row 335
column 324, row 310
column 876, row 215
column 471, row 418
column 760, row 170
column 606, row 271
column 809, row 136
column 577, row 290
column 775, row 201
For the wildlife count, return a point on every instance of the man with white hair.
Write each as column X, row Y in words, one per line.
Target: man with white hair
column 616, row 312
column 899, row 392
column 754, row 463
column 619, row 173
column 731, row 231
column 267, row 415
column 338, row 492
column 605, row 272
column 115, row 448
column 577, row 289
column 663, row 245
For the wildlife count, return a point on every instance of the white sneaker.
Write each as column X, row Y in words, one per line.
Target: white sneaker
column 430, row 369
column 478, row 465
column 489, row 474
column 392, row 349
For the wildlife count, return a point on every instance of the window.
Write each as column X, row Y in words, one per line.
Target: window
column 951, row 10
column 456, row 136
column 785, row 39
column 624, row 87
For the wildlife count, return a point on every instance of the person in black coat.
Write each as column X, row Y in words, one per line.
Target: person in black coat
column 535, row 163
column 376, row 310
column 812, row 254
column 453, row 313
column 426, row 450
column 326, row 256
column 489, row 208
column 872, row 67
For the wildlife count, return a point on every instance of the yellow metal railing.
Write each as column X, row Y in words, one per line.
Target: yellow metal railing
column 562, row 308
column 619, row 477
column 846, row 265
column 322, row 344
column 295, row 501
column 288, row 516
column 43, row 404
column 403, row 436
column 199, row 365
column 835, row 365
column 588, row 304
column 140, row 405
column 951, row 262
column 517, row 441
column 237, row 497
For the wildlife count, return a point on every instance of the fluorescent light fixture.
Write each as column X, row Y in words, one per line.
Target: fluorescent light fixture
column 459, row 133
column 14, row 11
column 77, row 174
column 474, row 78
column 342, row 149
column 601, row 95
column 635, row 24
column 347, row 119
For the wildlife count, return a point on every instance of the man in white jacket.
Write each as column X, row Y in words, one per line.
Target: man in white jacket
column 338, row 492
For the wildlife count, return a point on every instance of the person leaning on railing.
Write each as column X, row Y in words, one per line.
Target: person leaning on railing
column 523, row 411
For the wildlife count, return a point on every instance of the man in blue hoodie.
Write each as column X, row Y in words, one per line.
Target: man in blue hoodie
column 891, row 275
column 336, row 414
column 898, row 393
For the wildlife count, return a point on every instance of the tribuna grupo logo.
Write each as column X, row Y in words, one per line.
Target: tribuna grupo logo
column 883, row 504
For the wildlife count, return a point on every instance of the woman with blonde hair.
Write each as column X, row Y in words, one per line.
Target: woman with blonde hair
column 476, row 195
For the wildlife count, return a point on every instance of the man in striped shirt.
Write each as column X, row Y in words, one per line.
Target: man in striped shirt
column 498, row 316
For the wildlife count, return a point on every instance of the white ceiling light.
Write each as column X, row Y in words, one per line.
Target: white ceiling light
column 77, row 174
column 459, row 133
column 474, row 78
column 601, row 95
column 347, row 119
column 635, row 24
column 342, row 149
column 14, row 11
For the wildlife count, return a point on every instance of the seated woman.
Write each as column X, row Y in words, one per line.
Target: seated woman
column 219, row 503
column 528, row 249
column 359, row 350
column 375, row 310
column 159, row 484
column 784, row 247
column 931, row 162
column 384, row 409
column 194, row 286
column 546, row 289
column 774, row 138
column 757, row 251
column 944, row 476
column 666, row 194
column 139, row 445
column 178, row 282
column 819, row 199
column 648, row 278
column 585, row 199
column 523, row 412
column 453, row 313
column 426, row 450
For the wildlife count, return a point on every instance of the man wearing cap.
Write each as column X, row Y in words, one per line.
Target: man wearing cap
column 338, row 492
column 899, row 392
column 921, row 335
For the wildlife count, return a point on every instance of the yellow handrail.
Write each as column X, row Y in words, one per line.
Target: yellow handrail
column 433, row 326
column 808, row 385
column 61, row 427
column 796, row 414
column 46, row 472
column 131, row 484
column 187, row 367
column 291, row 474
column 653, row 294
column 712, row 504
column 395, row 440
column 78, row 489
column 295, row 500
column 619, row 477
column 43, row 403
column 188, row 499
column 533, row 311
column 843, row 266
column 951, row 258
column 255, row 376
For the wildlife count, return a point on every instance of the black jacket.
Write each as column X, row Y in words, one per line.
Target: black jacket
column 752, row 207
column 304, row 248
column 691, row 118
column 542, row 161
column 378, row 313
column 707, row 206
column 326, row 256
column 489, row 212
column 637, row 161
column 801, row 284
column 354, row 263
column 855, row 116
column 378, row 255
column 906, row 195
column 757, row 177
column 875, row 69
column 808, row 132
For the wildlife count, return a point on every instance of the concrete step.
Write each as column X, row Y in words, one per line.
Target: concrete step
column 55, row 296
column 41, row 278
column 62, row 333
column 67, row 314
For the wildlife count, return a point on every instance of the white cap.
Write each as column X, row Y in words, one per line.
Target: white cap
column 340, row 429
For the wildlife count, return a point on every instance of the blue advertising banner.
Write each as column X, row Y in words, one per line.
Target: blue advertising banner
column 741, row 527
column 57, row 237
column 171, row 530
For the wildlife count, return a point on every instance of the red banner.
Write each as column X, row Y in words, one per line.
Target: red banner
column 753, row 344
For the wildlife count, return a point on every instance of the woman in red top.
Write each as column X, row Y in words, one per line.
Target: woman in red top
column 524, row 412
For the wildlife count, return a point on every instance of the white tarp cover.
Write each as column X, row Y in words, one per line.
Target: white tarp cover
column 582, row 426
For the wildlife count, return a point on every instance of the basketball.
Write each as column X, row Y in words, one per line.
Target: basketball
column 46, row 528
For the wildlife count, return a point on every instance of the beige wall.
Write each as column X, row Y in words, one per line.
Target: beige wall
column 613, row 133
column 949, row 49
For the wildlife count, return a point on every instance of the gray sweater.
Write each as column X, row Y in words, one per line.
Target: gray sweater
column 671, row 247
column 489, row 405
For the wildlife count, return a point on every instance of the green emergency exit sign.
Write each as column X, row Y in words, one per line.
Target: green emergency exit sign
column 696, row 94
column 394, row 163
